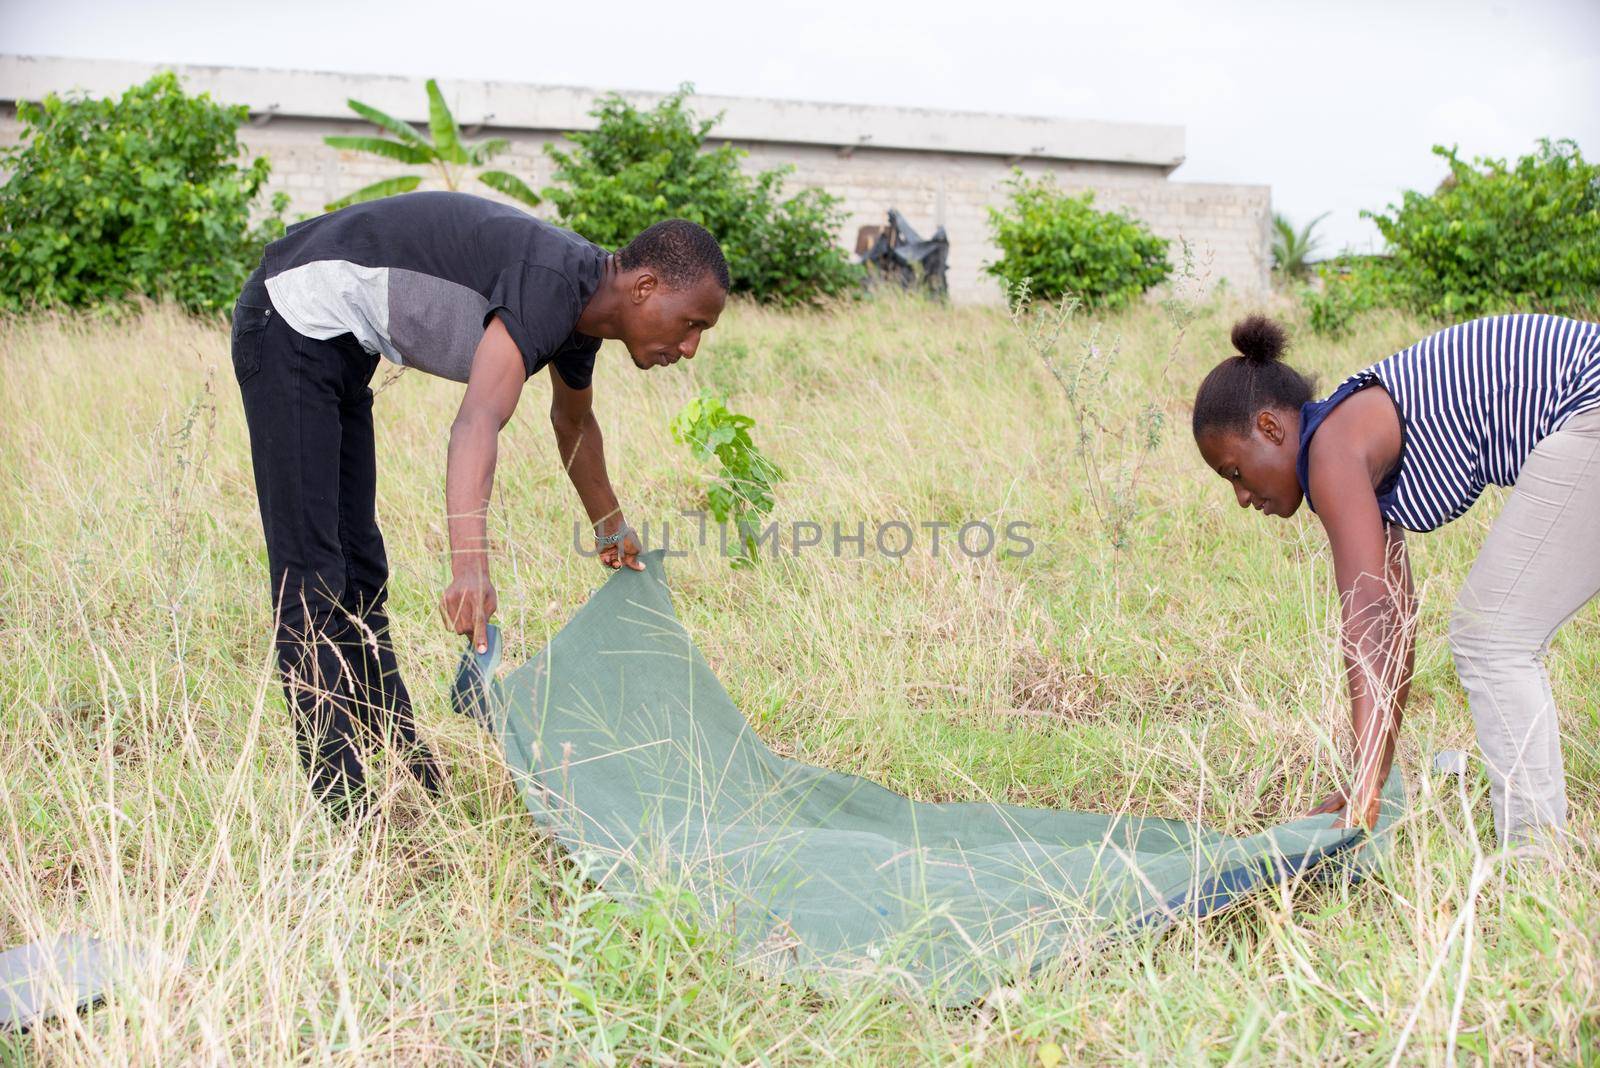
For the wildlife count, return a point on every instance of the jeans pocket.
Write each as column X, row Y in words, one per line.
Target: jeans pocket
column 249, row 326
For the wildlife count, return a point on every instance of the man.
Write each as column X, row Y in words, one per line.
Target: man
column 472, row 291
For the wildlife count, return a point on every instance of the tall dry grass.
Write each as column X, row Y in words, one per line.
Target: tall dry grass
column 151, row 795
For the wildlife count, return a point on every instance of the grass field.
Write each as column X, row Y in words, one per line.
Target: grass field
column 151, row 793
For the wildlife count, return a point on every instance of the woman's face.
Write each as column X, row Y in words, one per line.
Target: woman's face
column 1259, row 465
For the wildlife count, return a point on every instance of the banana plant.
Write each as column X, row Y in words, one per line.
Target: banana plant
column 1292, row 249
column 450, row 157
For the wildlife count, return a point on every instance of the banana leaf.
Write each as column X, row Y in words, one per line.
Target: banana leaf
column 484, row 151
column 402, row 130
column 377, row 191
column 378, row 146
column 446, row 135
column 511, row 186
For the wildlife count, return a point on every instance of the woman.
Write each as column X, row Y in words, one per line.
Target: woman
column 1410, row 443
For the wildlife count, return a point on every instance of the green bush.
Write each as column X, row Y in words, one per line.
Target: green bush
column 1330, row 312
column 144, row 194
column 1351, row 285
column 639, row 167
column 1497, row 237
column 1060, row 244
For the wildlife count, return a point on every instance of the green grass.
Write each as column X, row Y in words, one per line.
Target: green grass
column 151, row 793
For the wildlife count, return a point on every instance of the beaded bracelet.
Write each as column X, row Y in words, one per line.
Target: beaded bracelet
column 606, row 541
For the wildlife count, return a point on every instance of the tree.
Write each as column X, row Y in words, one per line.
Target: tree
column 1057, row 243
column 142, row 194
column 446, row 153
column 1292, row 249
column 1498, row 236
column 639, row 167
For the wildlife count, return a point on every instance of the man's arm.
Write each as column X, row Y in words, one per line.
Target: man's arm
column 493, row 388
column 583, row 454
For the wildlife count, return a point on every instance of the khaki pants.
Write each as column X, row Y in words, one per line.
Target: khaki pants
column 1539, row 566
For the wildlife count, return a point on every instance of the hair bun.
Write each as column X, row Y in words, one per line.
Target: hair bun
column 1260, row 339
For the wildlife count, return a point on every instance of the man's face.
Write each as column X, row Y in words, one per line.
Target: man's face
column 1258, row 465
column 662, row 325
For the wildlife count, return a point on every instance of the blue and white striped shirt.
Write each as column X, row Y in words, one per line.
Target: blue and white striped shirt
column 1474, row 399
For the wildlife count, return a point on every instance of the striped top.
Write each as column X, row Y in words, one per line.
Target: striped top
column 1474, row 399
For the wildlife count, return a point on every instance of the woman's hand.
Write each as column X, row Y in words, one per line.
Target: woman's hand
column 1363, row 812
column 1334, row 802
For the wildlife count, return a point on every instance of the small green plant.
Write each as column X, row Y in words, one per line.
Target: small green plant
column 741, row 491
column 1112, row 457
column 1292, row 249
column 1496, row 236
column 448, row 155
column 639, row 167
column 1059, row 244
column 624, row 974
column 140, row 194
column 1331, row 311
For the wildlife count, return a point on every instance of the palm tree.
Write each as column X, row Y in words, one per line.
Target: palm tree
column 445, row 152
column 1292, row 249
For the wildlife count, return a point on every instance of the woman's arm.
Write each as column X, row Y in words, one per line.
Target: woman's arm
column 1373, row 576
column 1398, row 572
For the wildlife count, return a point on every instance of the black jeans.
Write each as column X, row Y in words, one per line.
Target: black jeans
column 309, row 410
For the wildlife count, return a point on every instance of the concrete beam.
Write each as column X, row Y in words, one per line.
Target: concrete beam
column 514, row 105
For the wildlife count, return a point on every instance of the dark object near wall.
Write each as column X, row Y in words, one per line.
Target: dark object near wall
column 899, row 256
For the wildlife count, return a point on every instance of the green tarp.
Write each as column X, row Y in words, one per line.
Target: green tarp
column 61, row 973
column 624, row 745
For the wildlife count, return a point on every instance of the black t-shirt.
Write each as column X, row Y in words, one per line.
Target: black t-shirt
column 417, row 277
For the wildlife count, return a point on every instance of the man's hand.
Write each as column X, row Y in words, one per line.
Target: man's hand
column 468, row 603
column 624, row 552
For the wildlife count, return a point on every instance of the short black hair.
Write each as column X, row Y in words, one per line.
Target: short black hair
column 679, row 251
column 1240, row 386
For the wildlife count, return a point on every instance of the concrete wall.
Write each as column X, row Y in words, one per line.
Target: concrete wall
column 1229, row 224
column 938, row 168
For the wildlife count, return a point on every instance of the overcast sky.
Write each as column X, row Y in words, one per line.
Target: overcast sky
column 1333, row 103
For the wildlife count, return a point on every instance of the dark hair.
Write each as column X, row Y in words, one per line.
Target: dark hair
column 679, row 251
column 1257, row 378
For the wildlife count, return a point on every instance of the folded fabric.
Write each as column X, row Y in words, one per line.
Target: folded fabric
column 626, row 747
